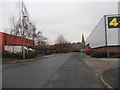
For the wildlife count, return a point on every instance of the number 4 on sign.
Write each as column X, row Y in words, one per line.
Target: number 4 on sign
column 113, row 22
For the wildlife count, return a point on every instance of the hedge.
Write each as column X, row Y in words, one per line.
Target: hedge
column 28, row 55
column 99, row 54
column 105, row 54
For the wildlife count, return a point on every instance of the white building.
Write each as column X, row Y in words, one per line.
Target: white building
column 104, row 37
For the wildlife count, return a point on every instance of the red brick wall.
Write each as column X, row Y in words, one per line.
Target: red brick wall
column 109, row 48
column 10, row 40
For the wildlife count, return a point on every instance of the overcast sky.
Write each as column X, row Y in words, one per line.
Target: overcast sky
column 70, row 18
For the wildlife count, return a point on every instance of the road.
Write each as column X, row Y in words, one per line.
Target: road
column 60, row 71
column 111, row 77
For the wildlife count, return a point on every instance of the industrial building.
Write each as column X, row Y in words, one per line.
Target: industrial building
column 8, row 40
column 105, row 36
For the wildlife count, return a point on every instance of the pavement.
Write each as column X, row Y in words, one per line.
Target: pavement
column 14, row 60
column 61, row 71
column 106, row 69
column 111, row 77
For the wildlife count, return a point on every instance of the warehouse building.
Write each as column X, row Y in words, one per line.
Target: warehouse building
column 105, row 36
column 7, row 41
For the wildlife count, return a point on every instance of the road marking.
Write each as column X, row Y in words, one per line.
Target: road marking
column 104, row 82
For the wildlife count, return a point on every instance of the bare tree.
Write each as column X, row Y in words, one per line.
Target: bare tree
column 22, row 27
column 26, row 29
column 36, row 35
column 41, row 40
column 61, row 39
column 61, row 43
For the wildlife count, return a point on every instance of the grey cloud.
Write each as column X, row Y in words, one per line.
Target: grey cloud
column 70, row 18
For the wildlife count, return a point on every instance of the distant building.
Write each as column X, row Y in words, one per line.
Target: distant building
column 83, row 42
column 76, row 46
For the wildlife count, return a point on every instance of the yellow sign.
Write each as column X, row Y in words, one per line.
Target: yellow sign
column 113, row 22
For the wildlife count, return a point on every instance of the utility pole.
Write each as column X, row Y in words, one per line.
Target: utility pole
column 23, row 22
column 22, row 30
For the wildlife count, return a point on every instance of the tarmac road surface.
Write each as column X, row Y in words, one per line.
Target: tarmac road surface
column 61, row 71
column 111, row 77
